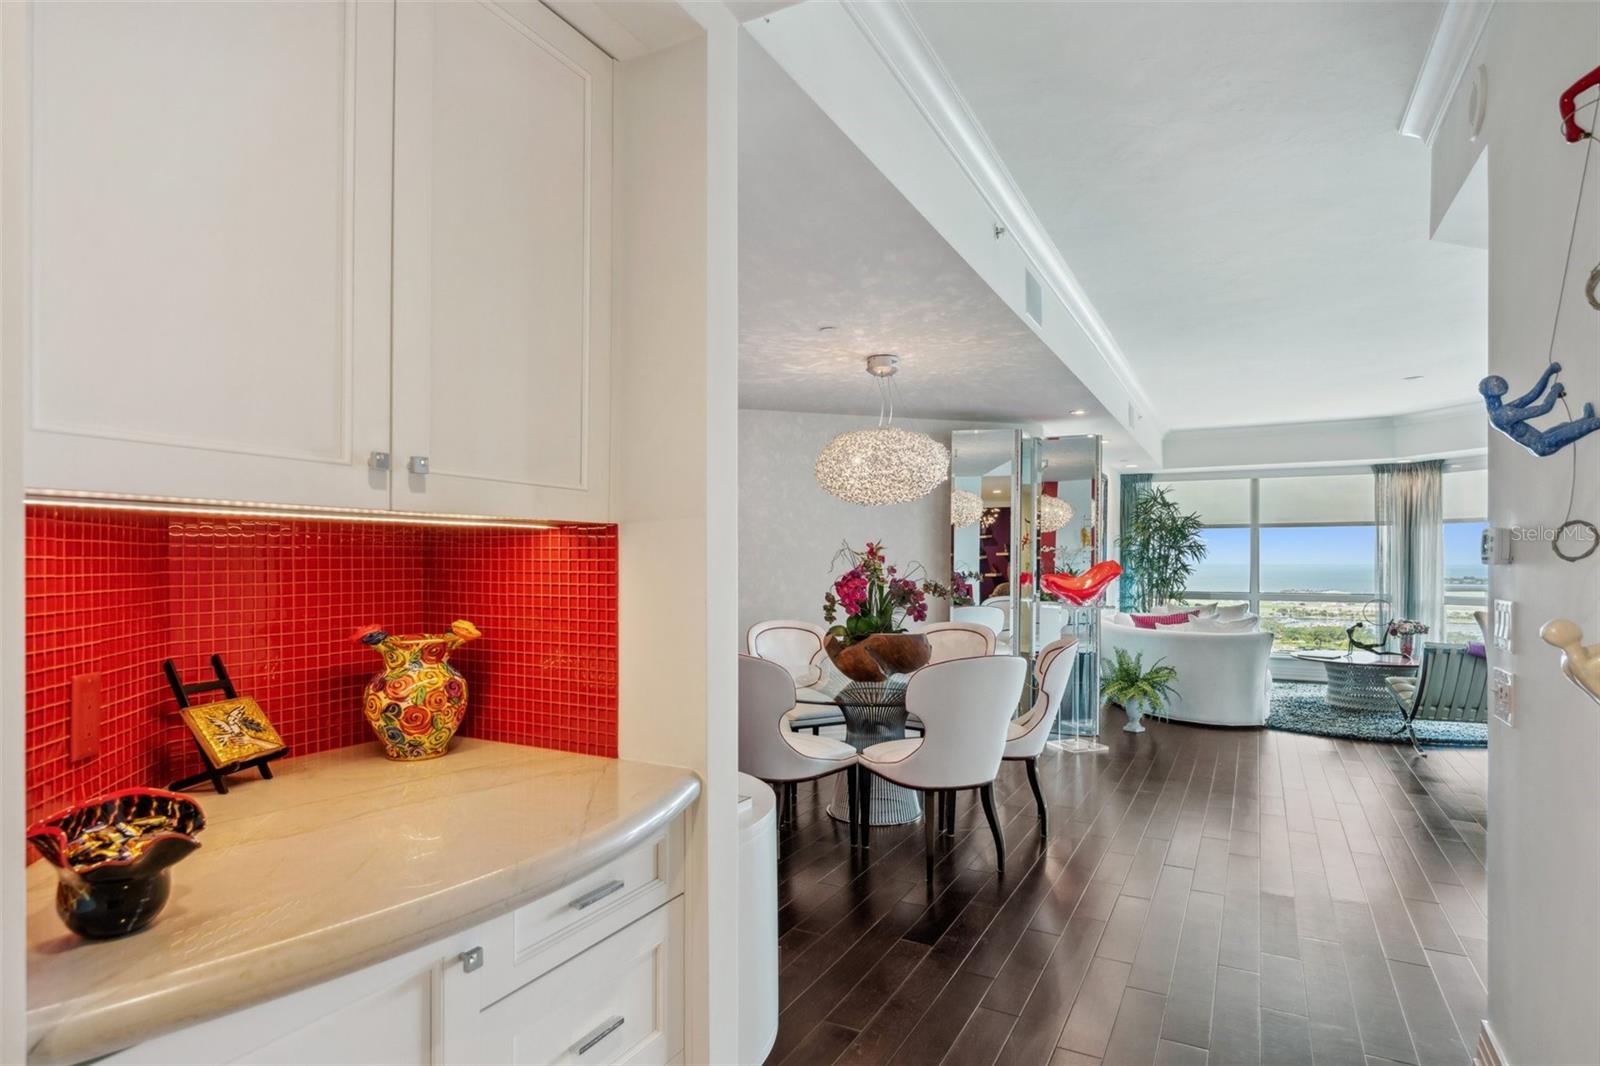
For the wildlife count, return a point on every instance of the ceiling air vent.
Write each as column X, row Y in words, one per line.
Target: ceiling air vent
column 1032, row 298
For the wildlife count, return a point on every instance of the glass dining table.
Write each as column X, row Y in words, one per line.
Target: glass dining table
column 874, row 711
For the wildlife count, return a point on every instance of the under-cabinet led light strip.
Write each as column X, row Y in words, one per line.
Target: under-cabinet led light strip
column 242, row 509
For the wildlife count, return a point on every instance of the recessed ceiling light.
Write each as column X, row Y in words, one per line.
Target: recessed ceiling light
column 1079, row 411
column 1131, row 466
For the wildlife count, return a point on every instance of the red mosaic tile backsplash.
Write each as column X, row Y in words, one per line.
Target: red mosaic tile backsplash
column 116, row 592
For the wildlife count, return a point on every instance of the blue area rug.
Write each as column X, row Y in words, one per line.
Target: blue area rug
column 1302, row 707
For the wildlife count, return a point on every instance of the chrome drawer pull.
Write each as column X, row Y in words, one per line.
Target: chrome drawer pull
column 606, row 1029
column 595, row 895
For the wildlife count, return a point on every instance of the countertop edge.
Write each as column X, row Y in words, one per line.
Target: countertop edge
column 51, row 1030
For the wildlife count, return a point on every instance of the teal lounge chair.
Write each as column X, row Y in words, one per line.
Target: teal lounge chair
column 1452, row 687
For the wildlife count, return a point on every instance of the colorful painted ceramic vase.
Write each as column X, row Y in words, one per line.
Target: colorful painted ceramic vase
column 111, row 857
column 417, row 702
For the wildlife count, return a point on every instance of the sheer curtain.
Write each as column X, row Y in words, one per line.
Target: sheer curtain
column 1410, row 515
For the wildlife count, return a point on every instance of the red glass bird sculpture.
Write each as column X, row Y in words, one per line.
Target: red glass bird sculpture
column 1085, row 587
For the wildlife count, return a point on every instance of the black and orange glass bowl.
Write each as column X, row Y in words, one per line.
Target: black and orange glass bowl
column 112, row 857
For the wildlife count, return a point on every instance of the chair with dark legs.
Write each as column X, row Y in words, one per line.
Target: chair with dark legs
column 769, row 750
column 1452, row 687
column 965, row 706
column 1027, row 735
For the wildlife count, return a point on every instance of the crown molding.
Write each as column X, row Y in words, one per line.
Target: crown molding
column 1456, row 37
column 894, row 34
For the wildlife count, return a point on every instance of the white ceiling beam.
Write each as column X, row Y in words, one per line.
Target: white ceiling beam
column 894, row 34
column 1456, row 37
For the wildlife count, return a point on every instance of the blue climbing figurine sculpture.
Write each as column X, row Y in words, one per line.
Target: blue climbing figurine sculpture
column 1512, row 418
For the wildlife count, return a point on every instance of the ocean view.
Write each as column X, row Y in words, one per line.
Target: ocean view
column 1313, row 577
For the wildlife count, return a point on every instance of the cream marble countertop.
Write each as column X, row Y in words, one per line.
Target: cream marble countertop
column 340, row 861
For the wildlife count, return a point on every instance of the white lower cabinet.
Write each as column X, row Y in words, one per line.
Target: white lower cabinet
column 618, row 1002
column 591, row 973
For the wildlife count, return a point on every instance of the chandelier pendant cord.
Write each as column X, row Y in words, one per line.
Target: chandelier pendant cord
column 1561, row 293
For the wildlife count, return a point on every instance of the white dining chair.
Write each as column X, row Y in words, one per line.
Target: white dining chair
column 771, row 751
column 798, row 647
column 991, row 618
column 1052, row 620
column 965, row 706
column 957, row 640
column 1026, row 736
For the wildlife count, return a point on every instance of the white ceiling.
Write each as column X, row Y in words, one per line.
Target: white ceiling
column 827, row 240
column 1227, row 183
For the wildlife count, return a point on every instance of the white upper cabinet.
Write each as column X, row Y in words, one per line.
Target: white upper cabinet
column 502, row 262
column 267, row 240
column 207, row 218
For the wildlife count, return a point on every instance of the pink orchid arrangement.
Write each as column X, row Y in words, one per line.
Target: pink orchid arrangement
column 874, row 596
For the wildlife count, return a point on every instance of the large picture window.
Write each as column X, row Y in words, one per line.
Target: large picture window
column 1301, row 550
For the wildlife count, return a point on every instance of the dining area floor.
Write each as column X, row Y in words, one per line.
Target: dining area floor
column 1202, row 895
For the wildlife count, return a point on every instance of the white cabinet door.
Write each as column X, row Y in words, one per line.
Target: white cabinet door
column 502, row 262
column 621, row 1001
column 207, row 219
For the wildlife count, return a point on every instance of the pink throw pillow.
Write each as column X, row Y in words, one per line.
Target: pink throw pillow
column 1150, row 621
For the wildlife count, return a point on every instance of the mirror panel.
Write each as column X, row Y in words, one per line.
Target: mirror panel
column 1070, row 490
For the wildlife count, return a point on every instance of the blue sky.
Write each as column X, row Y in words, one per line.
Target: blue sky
column 1328, row 544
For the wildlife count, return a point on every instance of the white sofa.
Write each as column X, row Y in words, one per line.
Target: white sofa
column 1223, row 678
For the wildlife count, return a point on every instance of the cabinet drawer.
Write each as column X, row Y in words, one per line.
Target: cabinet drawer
column 621, row 1001
column 552, row 929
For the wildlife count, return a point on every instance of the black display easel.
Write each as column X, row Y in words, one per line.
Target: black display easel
column 223, row 684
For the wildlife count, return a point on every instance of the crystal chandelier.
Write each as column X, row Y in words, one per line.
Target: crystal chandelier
column 965, row 508
column 1053, row 513
column 885, row 464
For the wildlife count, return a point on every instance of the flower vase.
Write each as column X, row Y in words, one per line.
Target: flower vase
column 880, row 656
column 416, row 702
column 1135, row 711
column 1406, row 645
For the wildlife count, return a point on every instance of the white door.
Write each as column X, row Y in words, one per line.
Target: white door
column 206, row 218
column 502, row 262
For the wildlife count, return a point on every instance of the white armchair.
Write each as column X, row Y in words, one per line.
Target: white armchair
column 957, row 640
column 771, row 751
column 990, row 617
column 1223, row 678
column 1026, row 737
column 798, row 648
column 966, row 705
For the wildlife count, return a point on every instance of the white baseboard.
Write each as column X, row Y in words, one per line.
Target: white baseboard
column 1487, row 1053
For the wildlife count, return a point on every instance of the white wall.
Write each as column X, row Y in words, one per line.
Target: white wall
column 790, row 529
column 1544, row 782
column 13, row 257
column 673, row 469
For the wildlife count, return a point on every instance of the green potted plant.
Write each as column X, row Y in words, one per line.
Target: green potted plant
column 1126, row 683
column 1159, row 546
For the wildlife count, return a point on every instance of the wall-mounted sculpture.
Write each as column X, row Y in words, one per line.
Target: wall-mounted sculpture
column 1580, row 662
column 1512, row 418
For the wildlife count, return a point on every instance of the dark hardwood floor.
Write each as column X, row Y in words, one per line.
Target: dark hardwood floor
column 1214, row 896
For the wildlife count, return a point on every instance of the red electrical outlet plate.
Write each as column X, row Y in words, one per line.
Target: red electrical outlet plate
column 85, row 717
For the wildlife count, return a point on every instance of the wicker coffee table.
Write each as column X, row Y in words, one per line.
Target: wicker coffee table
column 1356, row 678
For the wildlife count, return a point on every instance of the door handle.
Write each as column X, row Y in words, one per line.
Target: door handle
column 417, row 464
column 595, row 895
column 606, row 1028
